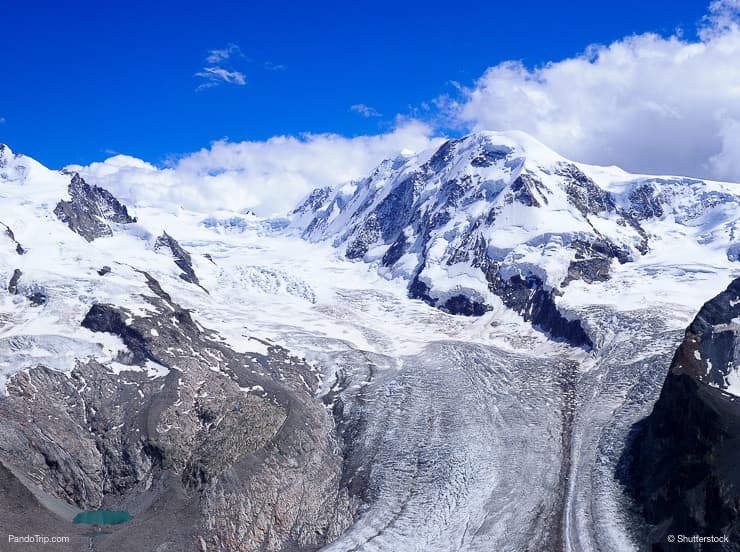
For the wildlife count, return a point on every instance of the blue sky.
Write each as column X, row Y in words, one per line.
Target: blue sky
column 82, row 80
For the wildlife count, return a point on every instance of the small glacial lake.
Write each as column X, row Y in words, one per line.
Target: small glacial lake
column 102, row 517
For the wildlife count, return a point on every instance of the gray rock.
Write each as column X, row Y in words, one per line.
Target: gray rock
column 593, row 260
column 528, row 297
column 9, row 233
column 681, row 465
column 90, row 210
column 13, row 283
column 182, row 258
column 733, row 252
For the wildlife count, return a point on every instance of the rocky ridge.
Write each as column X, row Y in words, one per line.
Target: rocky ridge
column 91, row 210
column 682, row 463
column 208, row 448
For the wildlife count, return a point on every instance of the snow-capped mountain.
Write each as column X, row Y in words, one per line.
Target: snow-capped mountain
column 496, row 218
column 238, row 383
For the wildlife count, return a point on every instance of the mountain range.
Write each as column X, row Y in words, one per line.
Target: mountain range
column 483, row 346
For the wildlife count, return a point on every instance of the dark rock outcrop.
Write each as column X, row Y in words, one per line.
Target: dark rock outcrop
column 37, row 296
column 90, row 210
column 682, row 464
column 529, row 298
column 524, row 190
column 34, row 293
column 9, row 233
column 457, row 304
column 13, row 283
column 182, row 258
column 313, row 202
column 593, row 260
column 110, row 319
column 584, row 193
column 526, row 296
column 645, row 202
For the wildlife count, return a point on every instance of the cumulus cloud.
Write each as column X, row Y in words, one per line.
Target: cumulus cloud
column 647, row 103
column 219, row 71
column 268, row 177
column 364, row 110
column 653, row 104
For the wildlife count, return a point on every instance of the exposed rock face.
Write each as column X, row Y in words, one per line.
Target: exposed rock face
column 207, row 448
column 457, row 304
column 315, row 200
column 683, row 464
column 592, row 262
column 13, row 284
column 90, row 210
column 646, row 202
column 584, row 193
column 733, row 252
column 182, row 258
column 535, row 304
column 9, row 233
column 526, row 296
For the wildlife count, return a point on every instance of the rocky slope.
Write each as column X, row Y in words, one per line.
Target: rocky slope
column 150, row 412
column 683, row 464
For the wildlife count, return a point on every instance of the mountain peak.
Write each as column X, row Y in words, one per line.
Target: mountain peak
column 488, row 219
column 518, row 142
column 474, row 153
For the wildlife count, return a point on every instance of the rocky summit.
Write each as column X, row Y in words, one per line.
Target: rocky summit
column 478, row 347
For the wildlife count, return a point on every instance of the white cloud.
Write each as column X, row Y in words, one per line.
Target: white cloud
column 364, row 110
column 726, row 163
column 646, row 102
column 218, row 71
column 218, row 75
column 2, row 120
column 269, row 177
column 722, row 17
column 217, row 56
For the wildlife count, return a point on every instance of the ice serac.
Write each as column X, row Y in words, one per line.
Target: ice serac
column 91, row 210
column 683, row 464
column 487, row 219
